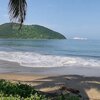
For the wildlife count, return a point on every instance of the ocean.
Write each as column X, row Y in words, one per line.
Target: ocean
column 51, row 53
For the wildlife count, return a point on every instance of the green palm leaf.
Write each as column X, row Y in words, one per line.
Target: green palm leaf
column 17, row 10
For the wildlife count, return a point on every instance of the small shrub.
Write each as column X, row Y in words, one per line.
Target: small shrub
column 18, row 91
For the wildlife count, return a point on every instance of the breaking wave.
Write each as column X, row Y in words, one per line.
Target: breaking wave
column 32, row 59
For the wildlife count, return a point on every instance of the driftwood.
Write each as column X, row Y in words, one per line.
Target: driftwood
column 71, row 90
column 63, row 90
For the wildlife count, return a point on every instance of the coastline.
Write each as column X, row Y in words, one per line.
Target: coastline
column 89, row 86
column 13, row 67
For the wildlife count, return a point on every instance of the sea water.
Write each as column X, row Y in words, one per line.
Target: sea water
column 51, row 53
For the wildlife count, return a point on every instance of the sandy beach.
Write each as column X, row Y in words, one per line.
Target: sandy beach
column 89, row 87
column 41, row 79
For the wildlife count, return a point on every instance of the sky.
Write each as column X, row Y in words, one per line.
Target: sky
column 72, row 18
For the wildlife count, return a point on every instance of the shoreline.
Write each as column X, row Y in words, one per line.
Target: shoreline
column 13, row 67
column 50, row 79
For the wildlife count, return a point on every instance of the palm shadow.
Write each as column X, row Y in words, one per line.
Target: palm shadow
column 80, row 83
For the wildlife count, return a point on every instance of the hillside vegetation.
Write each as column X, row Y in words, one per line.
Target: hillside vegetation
column 9, row 30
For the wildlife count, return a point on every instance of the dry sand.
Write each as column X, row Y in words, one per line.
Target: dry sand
column 88, row 86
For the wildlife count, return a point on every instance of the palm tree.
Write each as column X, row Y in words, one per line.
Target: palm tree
column 17, row 10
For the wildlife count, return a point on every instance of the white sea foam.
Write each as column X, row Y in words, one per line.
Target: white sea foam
column 79, row 38
column 30, row 59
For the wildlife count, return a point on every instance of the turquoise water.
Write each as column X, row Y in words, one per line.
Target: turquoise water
column 51, row 53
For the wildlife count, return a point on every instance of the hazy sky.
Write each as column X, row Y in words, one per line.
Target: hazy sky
column 73, row 18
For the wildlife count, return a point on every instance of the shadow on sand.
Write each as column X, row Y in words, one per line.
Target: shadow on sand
column 89, row 87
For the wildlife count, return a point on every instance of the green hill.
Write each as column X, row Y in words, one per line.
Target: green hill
column 9, row 30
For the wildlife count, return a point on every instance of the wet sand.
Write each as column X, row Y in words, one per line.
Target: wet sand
column 86, row 80
column 13, row 67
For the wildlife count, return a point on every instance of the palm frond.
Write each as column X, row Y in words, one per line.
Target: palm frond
column 17, row 10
